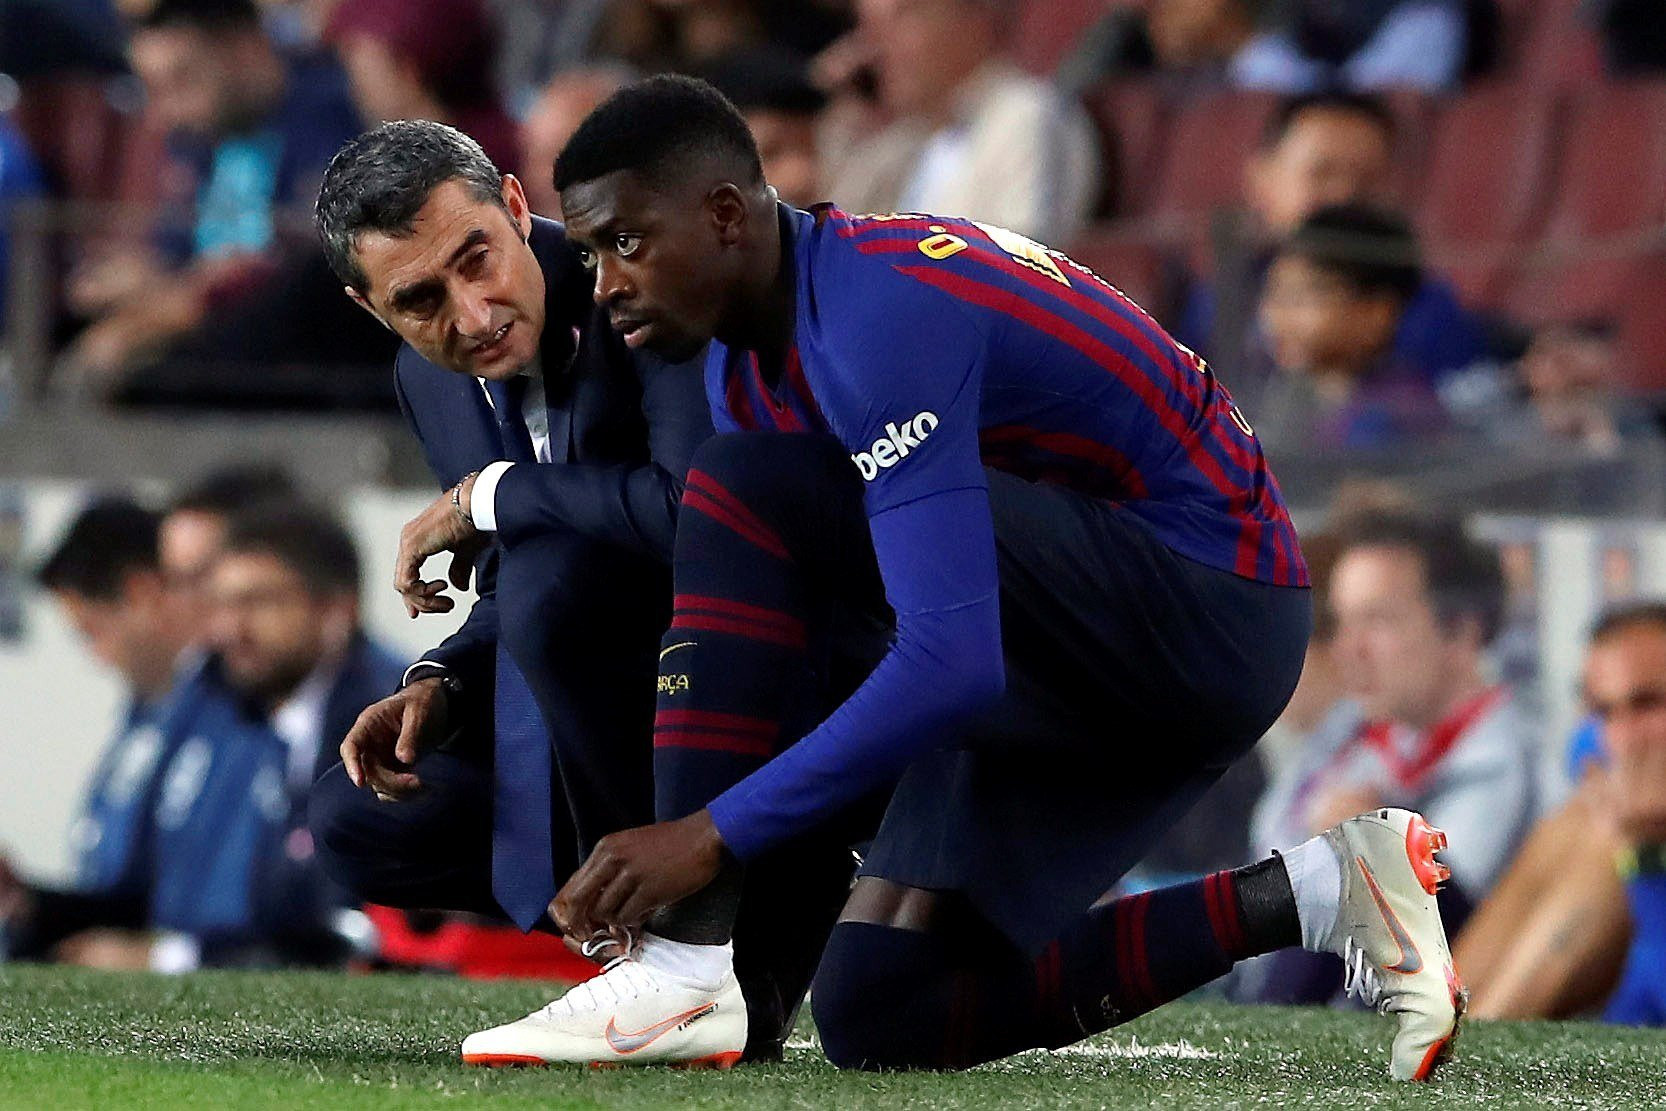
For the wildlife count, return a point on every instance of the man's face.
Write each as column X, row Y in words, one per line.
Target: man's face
column 663, row 259
column 1327, row 156
column 189, row 82
column 1625, row 687
column 926, row 48
column 1391, row 647
column 268, row 625
column 1184, row 32
column 1315, row 320
column 787, row 144
column 124, row 633
column 463, row 288
column 186, row 547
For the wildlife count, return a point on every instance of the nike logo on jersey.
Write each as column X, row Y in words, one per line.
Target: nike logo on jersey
column 621, row 1042
column 1409, row 961
column 893, row 447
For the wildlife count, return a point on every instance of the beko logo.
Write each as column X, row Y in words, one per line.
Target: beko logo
column 893, row 447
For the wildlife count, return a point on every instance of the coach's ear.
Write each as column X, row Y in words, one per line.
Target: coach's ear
column 359, row 300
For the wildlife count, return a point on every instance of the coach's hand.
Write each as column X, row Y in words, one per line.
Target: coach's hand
column 632, row 873
column 439, row 528
column 390, row 735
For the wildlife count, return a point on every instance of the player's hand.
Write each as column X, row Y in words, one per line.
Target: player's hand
column 105, row 949
column 389, row 736
column 632, row 873
column 436, row 529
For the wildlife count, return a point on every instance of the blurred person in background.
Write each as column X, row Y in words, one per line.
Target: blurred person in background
column 432, row 60
column 1321, row 150
column 21, row 179
column 555, row 114
column 783, row 108
column 250, row 129
column 1331, row 306
column 105, row 576
column 193, row 530
column 952, row 125
column 1571, row 392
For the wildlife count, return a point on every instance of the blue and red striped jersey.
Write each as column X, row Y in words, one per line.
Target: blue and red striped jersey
column 906, row 322
column 933, row 348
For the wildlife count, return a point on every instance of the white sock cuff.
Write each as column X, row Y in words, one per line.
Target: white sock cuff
column 702, row 965
column 1316, row 881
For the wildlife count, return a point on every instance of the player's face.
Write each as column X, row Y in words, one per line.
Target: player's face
column 1326, row 157
column 268, row 625
column 1625, row 687
column 662, row 260
column 1394, row 653
column 463, row 287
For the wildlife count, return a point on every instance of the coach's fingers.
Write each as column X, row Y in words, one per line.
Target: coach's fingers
column 462, row 568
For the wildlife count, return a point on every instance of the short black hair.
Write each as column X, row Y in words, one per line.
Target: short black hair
column 1629, row 615
column 228, row 491
column 309, row 540
column 654, row 128
column 108, row 540
column 764, row 79
column 1291, row 109
column 1465, row 577
column 203, row 15
column 1373, row 249
column 380, row 180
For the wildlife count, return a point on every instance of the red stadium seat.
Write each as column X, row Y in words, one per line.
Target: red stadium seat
column 1612, row 174
column 1208, row 144
column 1551, row 43
column 1134, row 267
column 1048, row 30
column 1488, row 165
column 1131, row 116
column 82, row 159
column 1625, row 291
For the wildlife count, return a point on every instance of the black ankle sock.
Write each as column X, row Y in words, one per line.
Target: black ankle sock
column 1268, row 905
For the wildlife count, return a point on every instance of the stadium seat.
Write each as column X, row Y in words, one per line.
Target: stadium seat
column 1207, row 144
column 1132, row 117
column 1611, row 179
column 1551, row 43
column 1624, row 291
column 1048, row 30
column 1134, row 267
column 82, row 159
column 1487, row 166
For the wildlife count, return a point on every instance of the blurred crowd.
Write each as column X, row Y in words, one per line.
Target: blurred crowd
column 1386, row 223
column 231, row 615
column 1375, row 219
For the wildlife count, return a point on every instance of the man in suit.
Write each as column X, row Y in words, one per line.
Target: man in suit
column 520, row 741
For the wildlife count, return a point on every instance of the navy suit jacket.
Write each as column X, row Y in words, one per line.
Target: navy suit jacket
column 623, row 427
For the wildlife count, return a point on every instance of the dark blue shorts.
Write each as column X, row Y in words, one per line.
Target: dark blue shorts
column 1135, row 676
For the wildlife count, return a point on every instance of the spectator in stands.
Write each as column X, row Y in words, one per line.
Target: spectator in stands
column 250, row 132
column 964, row 132
column 1325, row 149
column 1330, row 308
column 20, row 179
column 556, row 113
column 427, row 61
column 1625, row 687
column 773, row 91
column 1571, row 393
column 1416, row 603
column 1187, row 45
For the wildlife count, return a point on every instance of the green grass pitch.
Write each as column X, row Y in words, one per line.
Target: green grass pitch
column 71, row 1039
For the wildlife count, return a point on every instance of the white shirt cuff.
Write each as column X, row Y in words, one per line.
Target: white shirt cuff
column 483, row 498
column 173, row 953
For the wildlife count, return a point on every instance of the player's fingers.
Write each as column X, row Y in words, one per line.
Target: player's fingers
column 572, row 906
column 606, row 909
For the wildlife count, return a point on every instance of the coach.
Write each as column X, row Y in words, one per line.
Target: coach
column 516, row 744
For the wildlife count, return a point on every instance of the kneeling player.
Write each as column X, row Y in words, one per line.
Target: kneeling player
column 1093, row 602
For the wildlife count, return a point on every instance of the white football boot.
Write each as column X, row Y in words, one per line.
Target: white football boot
column 630, row 1014
column 1389, row 933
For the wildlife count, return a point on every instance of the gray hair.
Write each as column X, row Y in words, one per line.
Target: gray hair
column 380, row 181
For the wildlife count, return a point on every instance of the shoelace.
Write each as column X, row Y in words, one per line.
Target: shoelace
column 621, row 978
column 1359, row 978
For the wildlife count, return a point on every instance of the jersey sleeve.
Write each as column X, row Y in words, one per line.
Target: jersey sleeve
column 904, row 401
